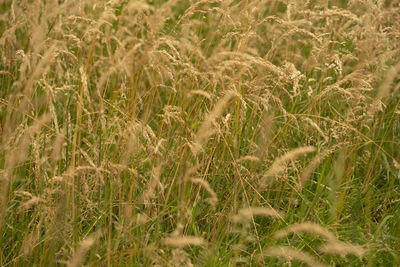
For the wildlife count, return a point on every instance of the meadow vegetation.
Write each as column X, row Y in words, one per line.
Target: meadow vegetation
column 199, row 133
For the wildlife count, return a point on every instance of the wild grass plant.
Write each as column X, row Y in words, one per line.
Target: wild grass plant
column 199, row 133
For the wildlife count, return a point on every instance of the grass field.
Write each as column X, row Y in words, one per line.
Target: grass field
column 199, row 133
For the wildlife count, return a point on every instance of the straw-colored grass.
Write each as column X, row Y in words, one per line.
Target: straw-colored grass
column 199, row 133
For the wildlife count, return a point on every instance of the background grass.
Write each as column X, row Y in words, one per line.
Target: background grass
column 128, row 126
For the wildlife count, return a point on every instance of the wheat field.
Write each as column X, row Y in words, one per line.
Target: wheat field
column 199, row 133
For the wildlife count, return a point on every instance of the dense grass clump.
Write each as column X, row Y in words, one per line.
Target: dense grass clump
column 199, row 133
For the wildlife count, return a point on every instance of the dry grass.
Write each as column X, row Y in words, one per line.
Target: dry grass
column 199, row 133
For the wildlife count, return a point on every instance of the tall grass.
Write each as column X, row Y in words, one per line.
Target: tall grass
column 199, row 133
